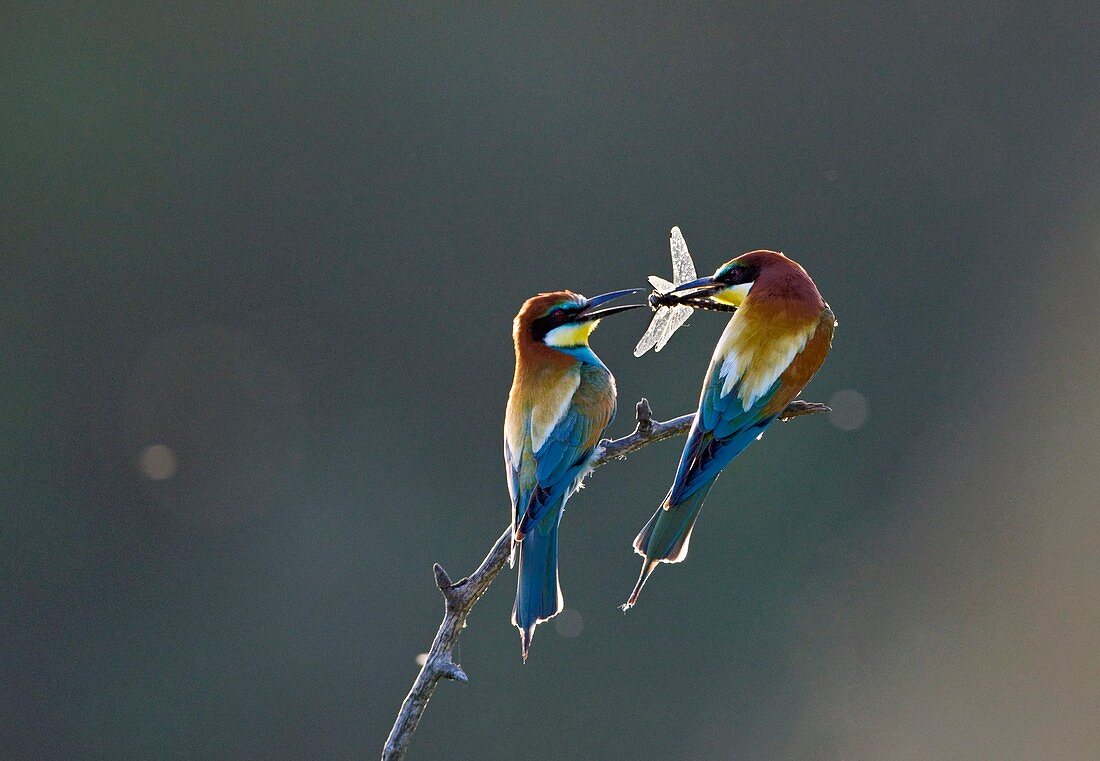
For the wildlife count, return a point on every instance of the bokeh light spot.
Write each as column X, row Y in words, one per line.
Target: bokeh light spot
column 157, row 462
column 421, row 659
column 230, row 409
column 569, row 623
column 849, row 410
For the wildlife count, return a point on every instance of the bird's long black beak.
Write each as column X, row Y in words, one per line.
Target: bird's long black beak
column 696, row 289
column 592, row 311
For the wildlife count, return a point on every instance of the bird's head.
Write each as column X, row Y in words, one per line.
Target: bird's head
column 563, row 320
column 762, row 273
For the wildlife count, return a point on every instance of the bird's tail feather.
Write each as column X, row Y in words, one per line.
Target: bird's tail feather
column 538, row 593
column 665, row 538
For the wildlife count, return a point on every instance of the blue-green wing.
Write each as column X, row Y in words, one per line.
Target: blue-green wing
column 564, row 455
column 722, row 429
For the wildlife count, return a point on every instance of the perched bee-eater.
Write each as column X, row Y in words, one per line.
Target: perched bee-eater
column 776, row 340
column 562, row 399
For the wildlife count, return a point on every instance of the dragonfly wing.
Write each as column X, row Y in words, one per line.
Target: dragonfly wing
column 677, row 316
column 683, row 268
column 660, row 284
column 653, row 333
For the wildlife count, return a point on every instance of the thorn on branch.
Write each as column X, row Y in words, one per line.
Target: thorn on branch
column 448, row 669
column 644, row 414
column 450, row 589
column 442, row 580
column 798, row 408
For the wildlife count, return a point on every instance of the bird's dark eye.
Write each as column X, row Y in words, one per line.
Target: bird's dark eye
column 558, row 315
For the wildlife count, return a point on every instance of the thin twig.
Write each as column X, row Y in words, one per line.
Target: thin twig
column 460, row 596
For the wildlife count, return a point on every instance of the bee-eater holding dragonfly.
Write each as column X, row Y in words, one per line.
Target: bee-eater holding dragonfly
column 562, row 399
column 776, row 340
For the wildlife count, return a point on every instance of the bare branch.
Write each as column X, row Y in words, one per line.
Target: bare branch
column 461, row 596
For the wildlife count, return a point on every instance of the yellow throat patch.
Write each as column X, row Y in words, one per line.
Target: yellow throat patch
column 733, row 295
column 575, row 334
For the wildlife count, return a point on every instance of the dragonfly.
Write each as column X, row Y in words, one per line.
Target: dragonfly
column 669, row 314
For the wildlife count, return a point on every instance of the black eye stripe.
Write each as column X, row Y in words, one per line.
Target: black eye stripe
column 555, row 318
column 738, row 274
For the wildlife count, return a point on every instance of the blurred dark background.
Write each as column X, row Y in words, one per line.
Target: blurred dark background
column 259, row 263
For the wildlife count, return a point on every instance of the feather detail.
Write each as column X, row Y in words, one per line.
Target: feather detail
column 805, row 364
column 757, row 347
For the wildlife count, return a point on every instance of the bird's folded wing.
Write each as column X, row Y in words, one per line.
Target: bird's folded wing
column 765, row 377
column 565, row 454
column 722, row 429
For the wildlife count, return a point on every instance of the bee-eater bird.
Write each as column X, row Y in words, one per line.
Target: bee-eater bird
column 562, row 399
column 776, row 340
